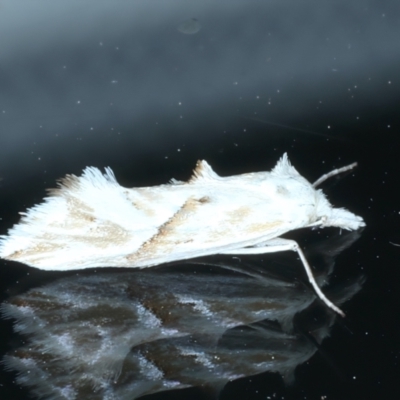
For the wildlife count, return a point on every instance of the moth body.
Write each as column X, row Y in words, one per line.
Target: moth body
column 91, row 221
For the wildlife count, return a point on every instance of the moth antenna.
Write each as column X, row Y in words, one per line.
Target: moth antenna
column 337, row 171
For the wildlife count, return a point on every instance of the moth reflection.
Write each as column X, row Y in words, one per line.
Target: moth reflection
column 125, row 334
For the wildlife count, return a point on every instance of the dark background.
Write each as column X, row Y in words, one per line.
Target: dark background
column 115, row 83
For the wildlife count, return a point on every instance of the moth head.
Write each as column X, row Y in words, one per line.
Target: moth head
column 342, row 218
column 335, row 217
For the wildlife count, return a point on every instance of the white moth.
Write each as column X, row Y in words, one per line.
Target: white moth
column 92, row 221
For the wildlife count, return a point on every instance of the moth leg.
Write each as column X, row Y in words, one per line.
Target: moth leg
column 279, row 244
column 337, row 171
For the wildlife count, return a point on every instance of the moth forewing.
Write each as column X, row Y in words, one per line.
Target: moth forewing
column 92, row 221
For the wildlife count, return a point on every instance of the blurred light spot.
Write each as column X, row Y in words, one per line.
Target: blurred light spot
column 189, row 27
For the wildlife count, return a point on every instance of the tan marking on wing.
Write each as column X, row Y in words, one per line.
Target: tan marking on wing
column 102, row 235
column 263, row 227
column 78, row 215
column 79, row 207
column 197, row 172
column 40, row 248
column 69, row 182
column 79, row 212
column 238, row 216
column 105, row 234
column 204, row 200
column 202, row 171
column 166, row 230
column 140, row 205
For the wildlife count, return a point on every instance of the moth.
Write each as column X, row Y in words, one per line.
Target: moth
column 92, row 221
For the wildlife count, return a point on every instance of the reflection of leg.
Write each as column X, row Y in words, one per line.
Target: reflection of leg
column 247, row 269
column 279, row 244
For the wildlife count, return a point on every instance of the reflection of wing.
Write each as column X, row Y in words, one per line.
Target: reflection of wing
column 129, row 334
column 125, row 328
column 121, row 332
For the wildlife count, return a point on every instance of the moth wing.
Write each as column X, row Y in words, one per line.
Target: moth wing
column 91, row 221
column 211, row 218
column 88, row 221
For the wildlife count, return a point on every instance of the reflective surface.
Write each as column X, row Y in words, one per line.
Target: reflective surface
column 125, row 334
column 119, row 84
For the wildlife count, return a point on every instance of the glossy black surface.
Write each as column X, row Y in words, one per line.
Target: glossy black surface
column 119, row 84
